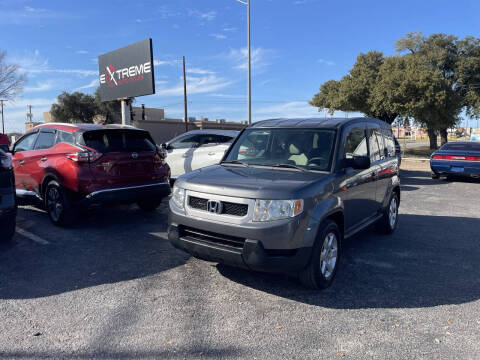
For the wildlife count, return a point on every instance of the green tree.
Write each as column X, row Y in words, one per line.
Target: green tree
column 74, row 107
column 354, row 92
column 107, row 108
column 437, row 55
column 469, row 73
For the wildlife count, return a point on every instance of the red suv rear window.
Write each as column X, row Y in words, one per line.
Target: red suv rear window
column 105, row 141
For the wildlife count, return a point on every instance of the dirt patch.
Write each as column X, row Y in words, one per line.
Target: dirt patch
column 415, row 164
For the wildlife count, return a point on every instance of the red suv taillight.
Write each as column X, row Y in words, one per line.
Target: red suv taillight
column 84, row 156
column 159, row 157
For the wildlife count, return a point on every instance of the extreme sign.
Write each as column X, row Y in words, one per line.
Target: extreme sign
column 127, row 72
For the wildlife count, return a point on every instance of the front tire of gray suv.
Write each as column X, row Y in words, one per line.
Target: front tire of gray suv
column 388, row 223
column 325, row 257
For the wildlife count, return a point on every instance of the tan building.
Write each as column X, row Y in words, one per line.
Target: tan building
column 162, row 129
column 31, row 124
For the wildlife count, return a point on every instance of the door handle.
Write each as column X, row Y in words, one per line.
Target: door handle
column 21, row 162
column 211, row 153
column 43, row 159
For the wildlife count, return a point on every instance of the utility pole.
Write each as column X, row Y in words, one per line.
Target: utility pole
column 185, row 94
column 29, row 114
column 247, row 3
column 3, row 123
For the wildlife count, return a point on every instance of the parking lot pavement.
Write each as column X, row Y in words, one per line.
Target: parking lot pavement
column 112, row 287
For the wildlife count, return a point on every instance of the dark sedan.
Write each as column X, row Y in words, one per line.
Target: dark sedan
column 459, row 158
column 8, row 207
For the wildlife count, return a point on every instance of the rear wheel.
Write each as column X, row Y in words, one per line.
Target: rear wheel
column 388, row 223
column 149, row 205
column 58, row 205
column 323, row 264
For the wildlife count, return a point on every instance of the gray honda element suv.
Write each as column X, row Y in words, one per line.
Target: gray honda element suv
column 286, row 194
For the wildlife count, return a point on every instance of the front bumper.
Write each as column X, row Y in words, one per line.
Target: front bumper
column 128, row 194
column 250, row 253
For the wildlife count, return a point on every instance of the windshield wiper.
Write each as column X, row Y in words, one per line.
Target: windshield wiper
column 290, row 166
column 235, row 162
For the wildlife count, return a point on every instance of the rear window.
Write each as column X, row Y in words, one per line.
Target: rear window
column 105, row 141
column 461, row 147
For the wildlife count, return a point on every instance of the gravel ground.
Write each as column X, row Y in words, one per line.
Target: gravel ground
column 114, row 288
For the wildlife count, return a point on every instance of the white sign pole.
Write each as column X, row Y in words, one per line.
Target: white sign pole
column 125, row 112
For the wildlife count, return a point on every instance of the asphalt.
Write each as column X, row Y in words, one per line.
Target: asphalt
column 113, row 287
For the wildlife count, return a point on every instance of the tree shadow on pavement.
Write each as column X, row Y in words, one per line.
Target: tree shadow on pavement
column 428, row 261
column 109, row 245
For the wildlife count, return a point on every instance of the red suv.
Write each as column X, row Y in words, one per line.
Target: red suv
column 66, row 165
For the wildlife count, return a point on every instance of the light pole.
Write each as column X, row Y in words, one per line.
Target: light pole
column 3, row 123
column 247, row 3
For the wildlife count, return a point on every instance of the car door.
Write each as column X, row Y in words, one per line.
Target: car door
column 39, row 157
column 210, row 151
column 377, row 160
column 359, row 184
column 23, row 150
column 180, row 154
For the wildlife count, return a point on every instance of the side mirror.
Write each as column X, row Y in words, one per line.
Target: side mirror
column 358, row 162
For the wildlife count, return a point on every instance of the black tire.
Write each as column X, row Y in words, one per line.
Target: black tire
column 317, row 274
column 149, row 205
column 435, row 175
column 58, row 204
column 388, row 222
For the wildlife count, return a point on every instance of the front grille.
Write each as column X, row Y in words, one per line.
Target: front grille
column 228, row 208
column 211, row 237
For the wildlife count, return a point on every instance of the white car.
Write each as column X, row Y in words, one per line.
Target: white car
column 196, row 149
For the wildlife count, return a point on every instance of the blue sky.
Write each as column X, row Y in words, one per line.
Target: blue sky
column 296, row 46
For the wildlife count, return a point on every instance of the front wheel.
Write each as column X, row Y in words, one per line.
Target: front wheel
column 58, row 205
column 149, row 205
column 325, row 257
column 388, row 223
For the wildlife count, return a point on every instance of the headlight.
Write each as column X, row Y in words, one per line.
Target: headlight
column 267, row 210
column 178, row 197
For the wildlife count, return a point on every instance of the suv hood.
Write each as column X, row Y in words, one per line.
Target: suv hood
column 252, row 182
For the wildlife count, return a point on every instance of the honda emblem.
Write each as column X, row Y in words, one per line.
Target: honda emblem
column 214, row 206
column 134, row 155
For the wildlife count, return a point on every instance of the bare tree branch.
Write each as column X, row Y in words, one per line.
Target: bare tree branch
column 11, row 81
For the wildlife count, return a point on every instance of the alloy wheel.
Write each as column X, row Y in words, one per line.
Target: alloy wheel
column 393, row 212
column 328, row 255
column 54, row 203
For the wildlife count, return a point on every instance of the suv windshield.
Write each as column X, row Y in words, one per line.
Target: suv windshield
column 309, row 149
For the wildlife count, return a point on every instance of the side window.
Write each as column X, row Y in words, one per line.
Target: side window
column 215, row 139
column 389, row 143
column 26, row 143
column 45, row 140
column 187, row 142
column 374, row 146
column 64, row 137
column 355, row 143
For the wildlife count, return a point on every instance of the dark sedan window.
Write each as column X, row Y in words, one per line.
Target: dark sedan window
column 461, row 147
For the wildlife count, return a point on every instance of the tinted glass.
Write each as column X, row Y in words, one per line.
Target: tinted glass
column 374, row 146
column 4, row 148
column 356, row 143
column 461, row 147
column 389, row 143
column 64, row 137
column 45, row 140
column 307, row 148
column 187, row 142
column 105, row 141
column 214, row 139
column 26, row 143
